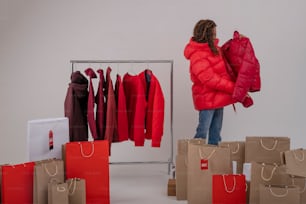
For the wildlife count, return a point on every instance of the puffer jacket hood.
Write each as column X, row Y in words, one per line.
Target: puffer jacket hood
column 212, row 86
column 194, row 46
column 75, row 107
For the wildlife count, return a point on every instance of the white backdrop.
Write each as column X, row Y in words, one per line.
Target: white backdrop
column 38, row 38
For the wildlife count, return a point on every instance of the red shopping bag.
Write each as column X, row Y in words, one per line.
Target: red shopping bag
column 89, row 160
column 17, row 183
column 229, row 189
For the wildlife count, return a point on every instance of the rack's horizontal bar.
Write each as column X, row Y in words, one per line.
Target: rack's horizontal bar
column 121, row 61
column 142, row 162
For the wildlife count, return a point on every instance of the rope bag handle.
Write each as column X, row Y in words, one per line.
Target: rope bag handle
column 272, row 172
column 279, row 195
column 209, row 156
column 296, row 156
column 72, row 185
column 47, row 170
column 267, row 148
column 92, row 150
column 226, row 187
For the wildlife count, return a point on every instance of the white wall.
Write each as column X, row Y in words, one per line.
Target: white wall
column 38, row 38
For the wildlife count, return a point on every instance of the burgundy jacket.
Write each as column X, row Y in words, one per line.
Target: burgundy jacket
column 111, row 123
column 75, row 107
column 100, row 101
column 91, row 104
column 243, row 66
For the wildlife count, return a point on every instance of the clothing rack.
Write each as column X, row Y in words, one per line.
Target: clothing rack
column 170, row 62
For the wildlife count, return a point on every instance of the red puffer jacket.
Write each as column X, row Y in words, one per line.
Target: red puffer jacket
column 212, row 86
column 243, row 65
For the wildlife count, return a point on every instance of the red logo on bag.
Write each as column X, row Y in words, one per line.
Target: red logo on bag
column 50, row 140
column 204, row 164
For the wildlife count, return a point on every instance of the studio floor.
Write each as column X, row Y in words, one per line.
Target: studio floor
column 140, row 183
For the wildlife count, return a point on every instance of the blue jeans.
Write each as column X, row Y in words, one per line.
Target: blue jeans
column 210, row 122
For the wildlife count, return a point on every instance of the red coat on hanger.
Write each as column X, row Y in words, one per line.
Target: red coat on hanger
column 155, row 107
column 136, row 105
column 111, row 123
column 122, row 120
column 100, row 101
column 91, row 104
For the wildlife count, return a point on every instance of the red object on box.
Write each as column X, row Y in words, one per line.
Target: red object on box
column 90, row 160
column 229, row 189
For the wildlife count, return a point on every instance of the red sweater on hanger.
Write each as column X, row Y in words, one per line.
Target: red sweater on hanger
column 122, row 120
column 100, row 101
column 136, row 105
column 111, row 123
column 91, row 104
column 155, row 107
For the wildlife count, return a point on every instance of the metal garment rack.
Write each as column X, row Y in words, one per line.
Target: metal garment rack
column 170, row 62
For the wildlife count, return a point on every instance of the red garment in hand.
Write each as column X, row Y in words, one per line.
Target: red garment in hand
column 243, row 65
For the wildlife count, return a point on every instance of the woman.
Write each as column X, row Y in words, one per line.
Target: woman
column 212, row 87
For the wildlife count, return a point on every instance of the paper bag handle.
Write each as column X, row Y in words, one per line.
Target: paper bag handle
column 209, row 156
column 296, row 156
column 48, row 172
column 302, row 190
column 272, row 172
column 92, row 150
column 73, row 182
column 226, row 187
column 278, row 195
column 60, row 189
column 267, row 148
column 237, row 149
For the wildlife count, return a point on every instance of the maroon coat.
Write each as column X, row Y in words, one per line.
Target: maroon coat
column 100, row 101
column 75, row 107
column 91, row 104
column 111, row 123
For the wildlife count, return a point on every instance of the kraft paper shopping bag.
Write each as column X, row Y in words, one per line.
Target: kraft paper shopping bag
column 45, row 172
column 237, row 153
column 58, row 193
column 279, row 194
column 295, row 162
column 265, row 149
column 77, row 190
column 181, row 166
column 203, row 162
column 266, row 174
